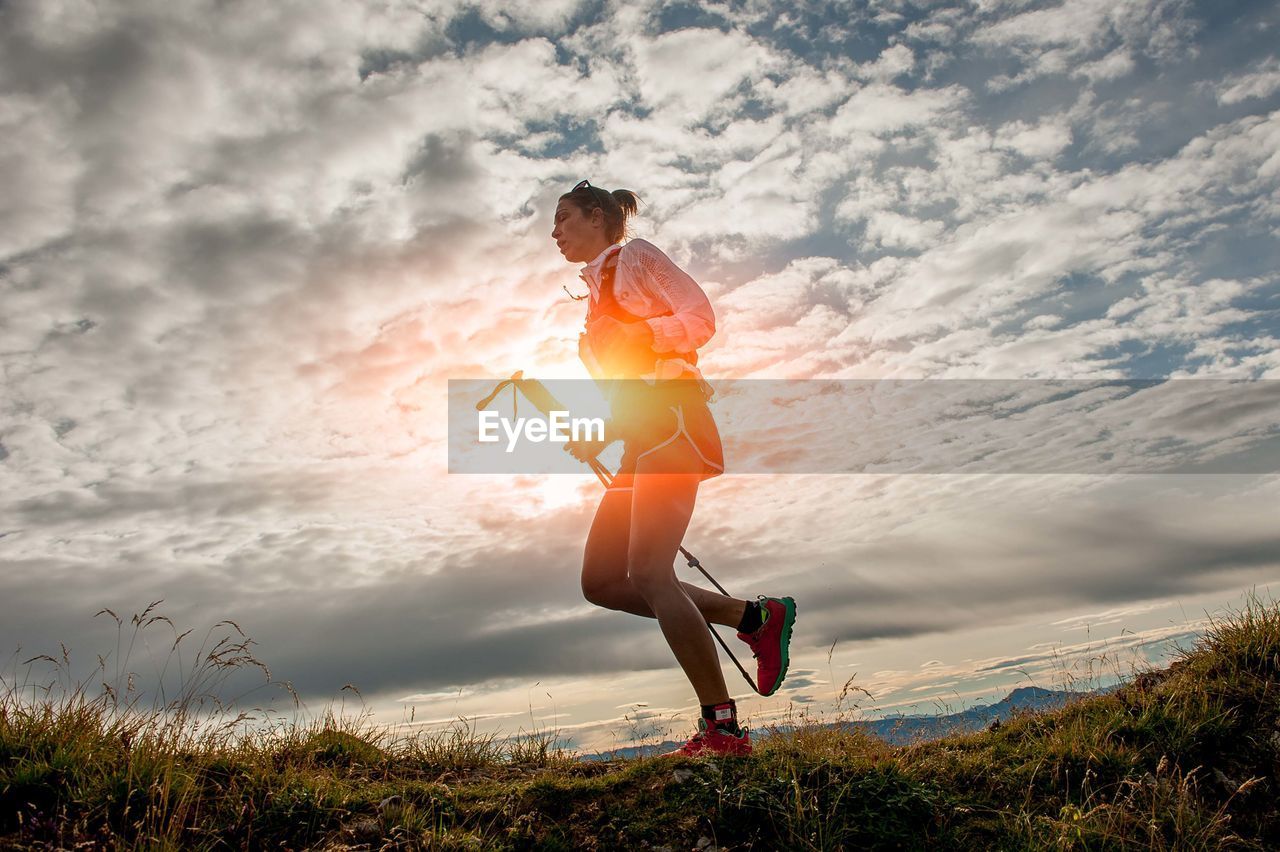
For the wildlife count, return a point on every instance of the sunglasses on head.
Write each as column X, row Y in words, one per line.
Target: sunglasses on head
column 586, row 184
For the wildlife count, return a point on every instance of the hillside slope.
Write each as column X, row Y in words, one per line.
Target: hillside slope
column 1186, row 757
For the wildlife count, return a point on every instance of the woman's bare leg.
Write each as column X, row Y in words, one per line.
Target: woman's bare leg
column 604, row 569
column 661, row 506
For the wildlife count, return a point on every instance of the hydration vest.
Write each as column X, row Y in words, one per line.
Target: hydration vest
column 632, row 360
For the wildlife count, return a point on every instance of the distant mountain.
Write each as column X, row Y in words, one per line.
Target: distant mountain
column 903, row 730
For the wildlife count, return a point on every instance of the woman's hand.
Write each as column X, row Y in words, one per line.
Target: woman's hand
column 587, row 450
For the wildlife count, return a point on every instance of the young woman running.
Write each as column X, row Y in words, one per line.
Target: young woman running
column 646, row 319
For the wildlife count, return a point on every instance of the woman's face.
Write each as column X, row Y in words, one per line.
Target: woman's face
column 580, row 237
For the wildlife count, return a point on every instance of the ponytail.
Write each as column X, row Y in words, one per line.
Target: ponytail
column 628, row 202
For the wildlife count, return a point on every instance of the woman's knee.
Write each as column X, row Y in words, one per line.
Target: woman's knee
column 650, row 579
column 602, row 592
column 596, row 593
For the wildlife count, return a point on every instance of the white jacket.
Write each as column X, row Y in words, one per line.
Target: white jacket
column 647, row 283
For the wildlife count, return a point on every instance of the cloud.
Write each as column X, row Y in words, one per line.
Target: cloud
column 880, row 109
column 718, row 61
column 1039, row 142
column 1159, row 27
column 892, row 62
column 1009, row 568
column 896, row 231
column 1097, row 225
column 1262, row 81
column 1113, row 66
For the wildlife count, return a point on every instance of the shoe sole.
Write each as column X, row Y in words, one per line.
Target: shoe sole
column 788, row 621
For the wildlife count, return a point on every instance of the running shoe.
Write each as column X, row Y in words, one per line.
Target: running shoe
column 771, row 642
column 713, row 741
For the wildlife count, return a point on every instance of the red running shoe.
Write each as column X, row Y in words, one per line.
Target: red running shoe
column 771, row 643
column 713, row 741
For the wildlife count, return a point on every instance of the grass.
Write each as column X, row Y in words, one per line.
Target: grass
column 1182, row 758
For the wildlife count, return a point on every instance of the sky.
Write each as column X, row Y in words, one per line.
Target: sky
column 244, row 247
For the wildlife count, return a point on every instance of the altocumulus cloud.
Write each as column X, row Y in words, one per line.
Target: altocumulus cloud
column 243, row 246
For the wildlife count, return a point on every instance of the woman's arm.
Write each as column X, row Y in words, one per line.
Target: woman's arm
column 692, row 322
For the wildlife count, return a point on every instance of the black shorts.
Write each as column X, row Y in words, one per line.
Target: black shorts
column 648, row 418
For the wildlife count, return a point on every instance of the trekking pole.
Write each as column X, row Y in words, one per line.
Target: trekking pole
column 543, row 400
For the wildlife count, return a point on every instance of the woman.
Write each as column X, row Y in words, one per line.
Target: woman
column 645, row 321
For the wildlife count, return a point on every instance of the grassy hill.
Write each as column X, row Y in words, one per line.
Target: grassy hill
column 1186, row 757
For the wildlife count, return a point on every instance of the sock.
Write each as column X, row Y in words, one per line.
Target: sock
column 752, row 618
column 723, row 716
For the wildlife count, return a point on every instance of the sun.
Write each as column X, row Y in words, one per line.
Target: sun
column 540, row 495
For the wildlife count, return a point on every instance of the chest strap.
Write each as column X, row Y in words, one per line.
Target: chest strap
column 608, row 305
